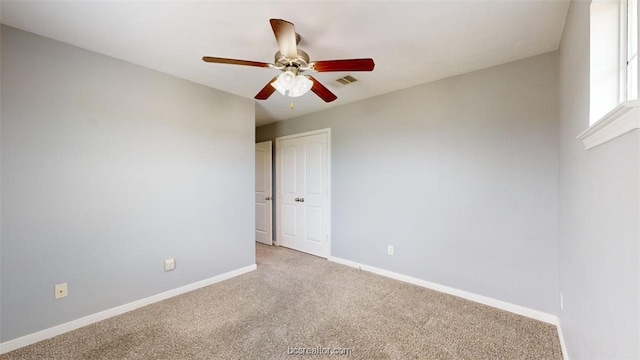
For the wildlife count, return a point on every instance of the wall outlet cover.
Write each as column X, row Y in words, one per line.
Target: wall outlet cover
column 169, row 264
column 60, row 291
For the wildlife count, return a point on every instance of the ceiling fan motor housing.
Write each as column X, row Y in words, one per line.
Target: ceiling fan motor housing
column 296, row 65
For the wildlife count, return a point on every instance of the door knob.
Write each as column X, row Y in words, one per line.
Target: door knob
column 297, row 199
column 301, row 199
column 267, row 198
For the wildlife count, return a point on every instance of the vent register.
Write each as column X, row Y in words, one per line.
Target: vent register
column 346, row 80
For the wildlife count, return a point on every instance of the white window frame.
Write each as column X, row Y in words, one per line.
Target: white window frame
column 630, row 86
column 624, row 116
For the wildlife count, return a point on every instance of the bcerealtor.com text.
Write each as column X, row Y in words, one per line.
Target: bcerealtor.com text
column 318, row 350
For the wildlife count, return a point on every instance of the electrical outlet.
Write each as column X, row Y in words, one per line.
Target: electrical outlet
column 390, row 250
column 169, row 264
column 561, row 302
column 60, row 291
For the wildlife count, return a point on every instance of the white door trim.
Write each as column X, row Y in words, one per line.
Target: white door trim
column 277, row 240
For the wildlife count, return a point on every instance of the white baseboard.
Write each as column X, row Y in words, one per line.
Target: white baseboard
column 93, row 318
column 516, row 309
column 563, row 345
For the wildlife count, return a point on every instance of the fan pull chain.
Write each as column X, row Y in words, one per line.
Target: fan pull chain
column 291, row 106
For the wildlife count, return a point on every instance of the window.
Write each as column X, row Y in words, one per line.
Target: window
column 614, row 108
column 632, row 50
column 614, row 55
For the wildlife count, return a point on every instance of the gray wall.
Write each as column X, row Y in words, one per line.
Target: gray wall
column 599, row 217
column 460, row 175
column 109, row 168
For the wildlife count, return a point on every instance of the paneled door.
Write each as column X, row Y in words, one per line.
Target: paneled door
column 302, row 195
column 263, row 193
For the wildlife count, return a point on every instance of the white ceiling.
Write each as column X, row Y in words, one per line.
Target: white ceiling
column 411, row 42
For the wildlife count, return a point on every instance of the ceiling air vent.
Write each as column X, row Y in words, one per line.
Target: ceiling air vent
column 346, row 80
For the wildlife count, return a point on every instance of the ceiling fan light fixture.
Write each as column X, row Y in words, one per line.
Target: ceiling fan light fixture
column 292, row 85
column 303, row 85
column 278, row 86
column 287, row 80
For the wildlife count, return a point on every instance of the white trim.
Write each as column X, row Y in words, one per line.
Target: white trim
column 623, row 47
column 563, row 344
column 617, row 122
column 516, row 309
column 102, row 315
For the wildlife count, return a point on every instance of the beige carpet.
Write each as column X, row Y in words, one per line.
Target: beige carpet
column 294, row 300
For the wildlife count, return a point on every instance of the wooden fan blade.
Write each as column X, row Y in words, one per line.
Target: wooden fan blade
column 344, row 65
column 322, row 91
column 266, row 91
column 234, row 61
column 285, row 34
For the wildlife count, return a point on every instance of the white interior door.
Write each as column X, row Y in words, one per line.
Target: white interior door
column 263, row 193
column 302, row 195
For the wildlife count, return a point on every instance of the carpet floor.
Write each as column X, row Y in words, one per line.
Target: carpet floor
column 296, row 306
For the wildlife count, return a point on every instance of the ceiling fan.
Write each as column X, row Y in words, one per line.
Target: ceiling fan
column 292, row 62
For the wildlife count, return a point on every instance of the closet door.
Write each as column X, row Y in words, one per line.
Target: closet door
column 263, row 193
column 302, row 198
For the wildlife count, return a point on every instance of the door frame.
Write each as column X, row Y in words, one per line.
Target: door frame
column 277, row 241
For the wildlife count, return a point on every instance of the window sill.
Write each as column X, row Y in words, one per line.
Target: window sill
column 619, row 121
